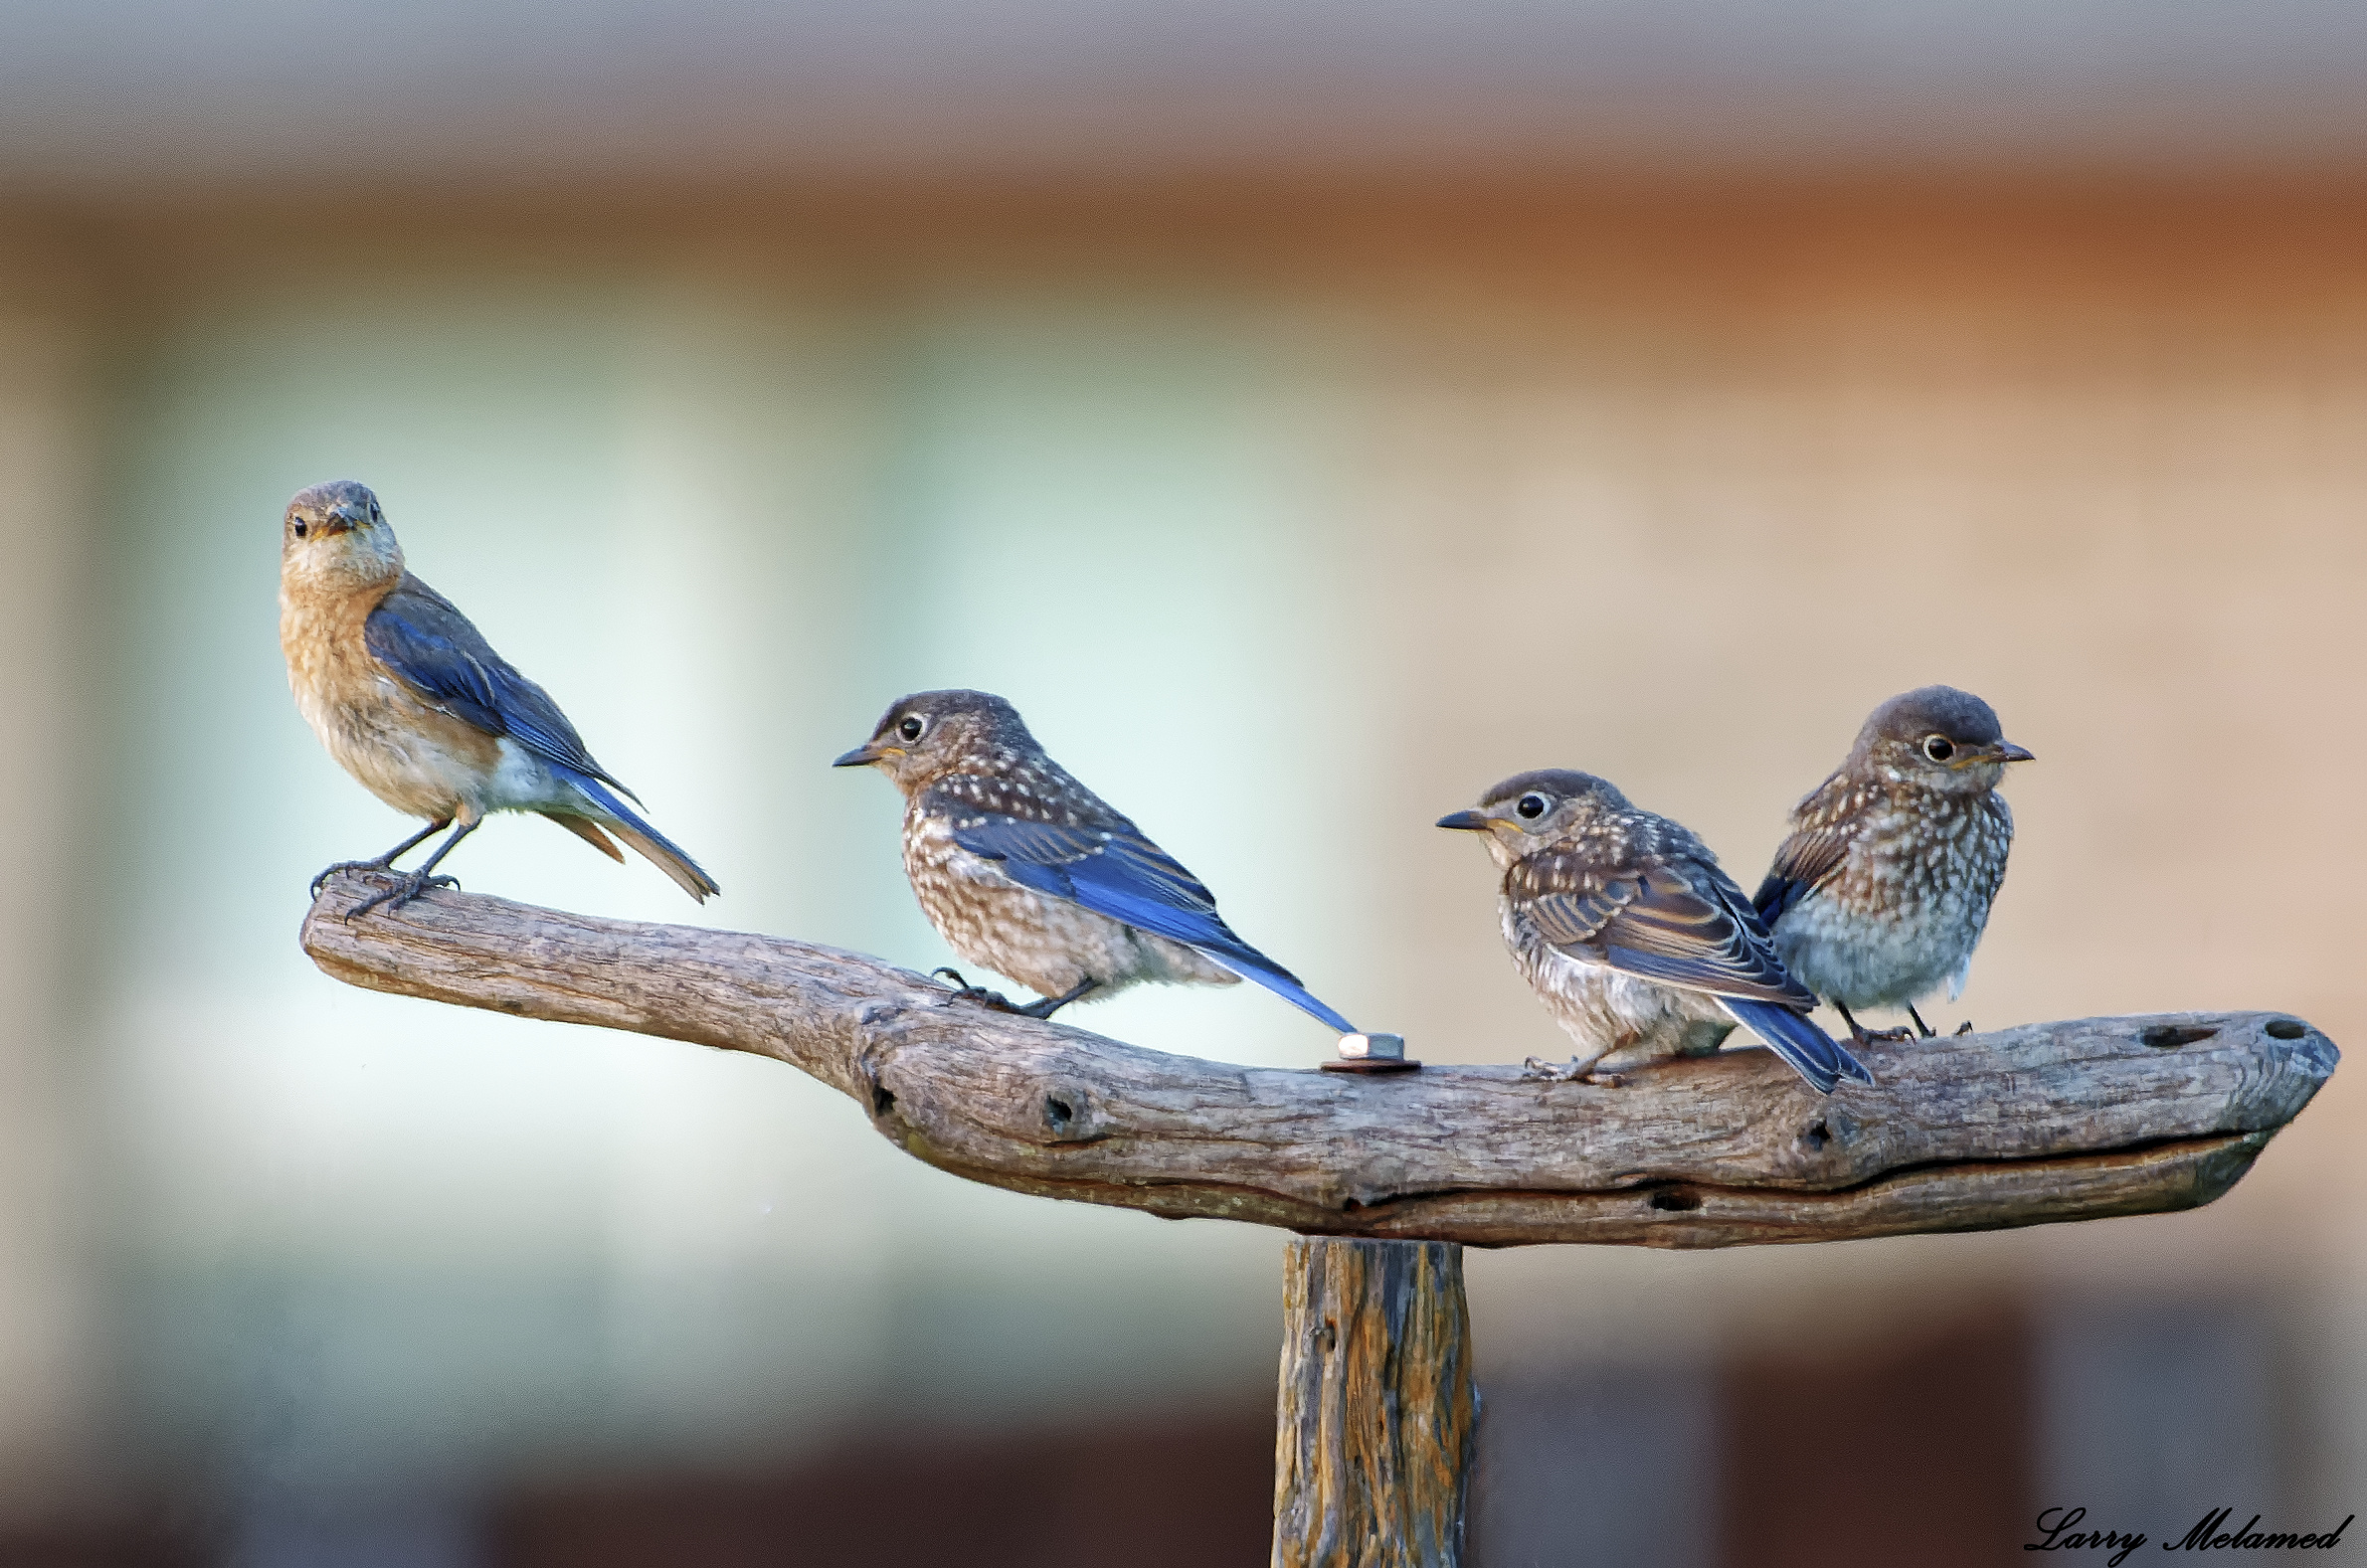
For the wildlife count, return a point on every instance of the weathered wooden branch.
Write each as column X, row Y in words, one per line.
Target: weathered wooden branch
column 2019, row 1126
column 1378, row 1411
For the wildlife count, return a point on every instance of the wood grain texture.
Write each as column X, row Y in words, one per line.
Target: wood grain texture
column 1373, row 1430
column 2026, row 1126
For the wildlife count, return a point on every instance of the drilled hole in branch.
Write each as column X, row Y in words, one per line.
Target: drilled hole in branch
column 1676, row 1200
column 2168, row 1036
column 2286, row 1029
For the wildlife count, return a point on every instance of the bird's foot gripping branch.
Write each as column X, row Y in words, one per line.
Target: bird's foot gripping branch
column 2027, row 1126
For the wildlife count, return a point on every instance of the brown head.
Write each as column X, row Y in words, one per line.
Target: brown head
column 1530, row 811
column 924, row 737
column 1937, row 737
column 334, row 539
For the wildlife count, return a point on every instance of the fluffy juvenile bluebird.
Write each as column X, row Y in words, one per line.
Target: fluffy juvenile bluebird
column 1882, row 891
column 1027, row 872
column 1638, row 945
column 415, row 704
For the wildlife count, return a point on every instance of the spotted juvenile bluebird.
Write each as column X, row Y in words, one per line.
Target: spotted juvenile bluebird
column 1881, row 893
column 1638, row 945
column 415, row 704
column 1026, row 871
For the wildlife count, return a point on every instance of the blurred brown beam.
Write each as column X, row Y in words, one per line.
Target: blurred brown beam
column 1917, row 1450
column 1185, row 1492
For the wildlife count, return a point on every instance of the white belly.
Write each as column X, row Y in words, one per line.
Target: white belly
column 1616, row 1019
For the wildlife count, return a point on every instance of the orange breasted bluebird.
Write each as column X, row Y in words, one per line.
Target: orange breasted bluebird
column 1024, row 870
column 413, row 702
column 1882, row 891
column 1638, row 945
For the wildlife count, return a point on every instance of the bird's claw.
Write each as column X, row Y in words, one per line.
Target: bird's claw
column 1898, row 1036
column 964, row 991
column 327, row 872
column 1575, row 1072
column 406, row 889
column 1965, row 1027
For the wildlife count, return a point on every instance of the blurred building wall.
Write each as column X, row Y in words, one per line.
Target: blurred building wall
column 1291, row 516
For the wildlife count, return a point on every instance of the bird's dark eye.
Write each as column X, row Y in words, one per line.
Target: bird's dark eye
column 912, row 727
column 1532, row 805
column 300, row 530
column 1939, row 748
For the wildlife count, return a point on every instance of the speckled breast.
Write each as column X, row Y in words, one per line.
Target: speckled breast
column 1904, row 914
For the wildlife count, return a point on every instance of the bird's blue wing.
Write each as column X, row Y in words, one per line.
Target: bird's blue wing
column 1114, row 870
column 1816, row 849
column 1776, row 895
column 1681, row 921
column 1661, row 909
column 432, row 648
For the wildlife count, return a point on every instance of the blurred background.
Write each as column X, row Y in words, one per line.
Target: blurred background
column 1308, row 415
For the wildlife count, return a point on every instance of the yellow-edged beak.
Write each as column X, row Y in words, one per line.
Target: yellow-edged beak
column 2002, row 752
column 1467, row 821
column 866, row 755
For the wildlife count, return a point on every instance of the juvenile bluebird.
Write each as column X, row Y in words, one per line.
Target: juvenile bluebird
column 415, row 704
column 1027, row 872
column 1882, row 891
column 1638, row 945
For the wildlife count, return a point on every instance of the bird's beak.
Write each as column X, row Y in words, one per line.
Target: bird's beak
column 1979, row 756
column 344, row 519
column 865, row 756
column 1466, row 821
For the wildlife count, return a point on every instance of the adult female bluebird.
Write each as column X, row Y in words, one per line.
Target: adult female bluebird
column 1026, row 871
column 413, row 702
column 1638, row 945
column 1882, row 891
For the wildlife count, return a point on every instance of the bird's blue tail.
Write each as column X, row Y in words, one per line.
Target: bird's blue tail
column 1812, row 1053
column 654, row 847
column 1252, row 965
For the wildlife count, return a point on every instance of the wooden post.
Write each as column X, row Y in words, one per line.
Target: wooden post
column 1374, row 1429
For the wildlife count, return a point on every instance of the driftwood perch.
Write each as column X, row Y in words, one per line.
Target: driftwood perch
column 2020, row 1127
column 1374, row 1437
